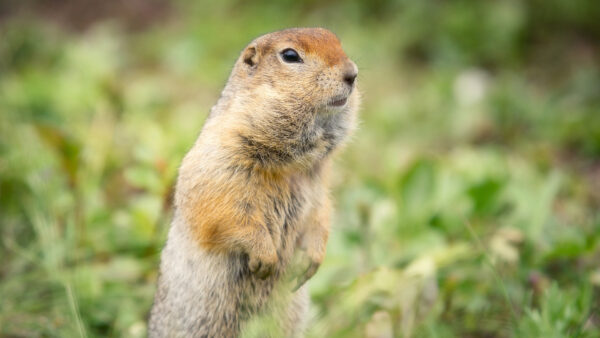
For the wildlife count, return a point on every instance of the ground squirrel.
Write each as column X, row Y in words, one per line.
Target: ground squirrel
column 252, row 192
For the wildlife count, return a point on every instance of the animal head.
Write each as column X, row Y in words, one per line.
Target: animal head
column 300, row 66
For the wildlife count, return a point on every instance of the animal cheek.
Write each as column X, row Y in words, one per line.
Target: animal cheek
column 322, row 80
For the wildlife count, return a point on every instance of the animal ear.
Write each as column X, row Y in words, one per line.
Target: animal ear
column 250, row 56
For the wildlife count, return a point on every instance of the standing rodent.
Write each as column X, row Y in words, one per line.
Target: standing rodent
column 253, row 190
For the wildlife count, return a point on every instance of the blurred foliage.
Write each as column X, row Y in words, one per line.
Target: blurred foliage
column 467, row 203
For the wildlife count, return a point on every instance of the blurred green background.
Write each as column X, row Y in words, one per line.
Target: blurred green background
column 467, row 204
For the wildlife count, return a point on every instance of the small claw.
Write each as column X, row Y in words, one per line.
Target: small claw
column 261, row 269
column 264, row 271
column 310, row 271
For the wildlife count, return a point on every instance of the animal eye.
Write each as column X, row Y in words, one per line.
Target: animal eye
column 290, row 55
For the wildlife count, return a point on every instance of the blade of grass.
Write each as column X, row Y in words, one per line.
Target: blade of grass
column 489, row 262
column 73, row 306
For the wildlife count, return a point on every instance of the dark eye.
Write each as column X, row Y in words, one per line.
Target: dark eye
column 290, row 55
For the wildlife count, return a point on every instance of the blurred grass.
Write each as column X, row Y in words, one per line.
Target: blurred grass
column 466, row 204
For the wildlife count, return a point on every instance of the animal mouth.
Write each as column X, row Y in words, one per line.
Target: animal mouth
column 338, row 102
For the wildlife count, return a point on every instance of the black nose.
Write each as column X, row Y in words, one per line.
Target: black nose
column 349, row 77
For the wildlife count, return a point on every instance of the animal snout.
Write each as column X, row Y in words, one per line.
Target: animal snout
column 350, row 73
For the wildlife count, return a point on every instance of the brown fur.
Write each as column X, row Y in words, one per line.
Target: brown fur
column 253, row 189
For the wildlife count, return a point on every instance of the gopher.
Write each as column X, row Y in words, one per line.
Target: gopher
column 252, row 192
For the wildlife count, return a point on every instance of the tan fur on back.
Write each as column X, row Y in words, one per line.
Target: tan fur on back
column 252, row 192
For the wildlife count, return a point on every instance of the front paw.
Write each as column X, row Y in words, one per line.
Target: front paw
column 263, row 266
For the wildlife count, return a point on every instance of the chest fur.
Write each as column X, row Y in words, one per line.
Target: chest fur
column 286, row 213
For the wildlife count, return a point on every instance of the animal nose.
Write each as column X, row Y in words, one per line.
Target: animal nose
column 350, row 72
column 349, row 77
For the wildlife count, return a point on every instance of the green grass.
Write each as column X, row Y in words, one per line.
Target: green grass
column 466, row 203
